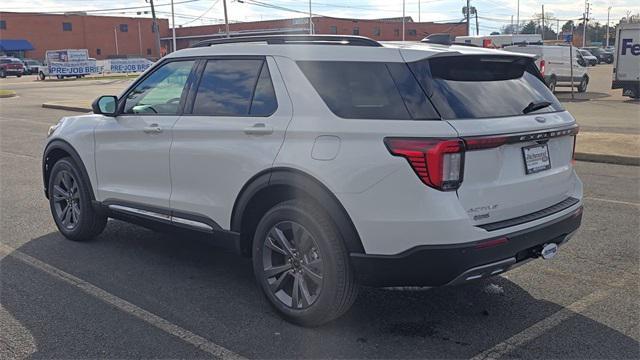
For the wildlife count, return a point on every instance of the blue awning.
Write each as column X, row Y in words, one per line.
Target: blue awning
column 15, row 45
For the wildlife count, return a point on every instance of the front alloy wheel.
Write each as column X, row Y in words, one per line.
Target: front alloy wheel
column 70, row 203
column 292, row 265
column 66, row 199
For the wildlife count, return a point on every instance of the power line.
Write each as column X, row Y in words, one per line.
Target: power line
column 112, row 9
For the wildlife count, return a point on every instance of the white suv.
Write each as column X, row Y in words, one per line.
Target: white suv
column 332, row 161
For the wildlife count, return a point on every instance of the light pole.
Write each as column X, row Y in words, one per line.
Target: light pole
column 310, row 20
column 608, row 12
column 115, row 34
column 173, row 27
column 402, row 20
column 518, row 18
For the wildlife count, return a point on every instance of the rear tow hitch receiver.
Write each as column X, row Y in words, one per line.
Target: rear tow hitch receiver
column 549, row 251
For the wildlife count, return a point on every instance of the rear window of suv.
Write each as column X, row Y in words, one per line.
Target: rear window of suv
column 368, row 90
column 448, row 87
column 473, row 87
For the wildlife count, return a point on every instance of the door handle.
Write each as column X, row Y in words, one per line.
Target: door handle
column 258, row 129
column 152, row 129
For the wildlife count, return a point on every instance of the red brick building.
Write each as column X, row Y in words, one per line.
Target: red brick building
column 379, row 29
column 98, row 34
column 30, row 35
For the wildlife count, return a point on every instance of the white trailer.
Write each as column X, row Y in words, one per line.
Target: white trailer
column 626, row 70
column 67, row 63
column 499, row 41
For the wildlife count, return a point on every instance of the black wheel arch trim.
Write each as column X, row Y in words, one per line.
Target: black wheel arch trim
column 310, row 186
column 69, row 149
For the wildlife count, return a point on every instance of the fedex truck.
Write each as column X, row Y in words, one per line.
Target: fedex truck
column 626, row 70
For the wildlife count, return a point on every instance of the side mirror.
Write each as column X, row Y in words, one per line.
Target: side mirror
column 106, row 105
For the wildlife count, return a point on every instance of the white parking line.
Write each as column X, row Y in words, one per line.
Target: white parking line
column 612, row 201
column 536, row 330
column 129, row 308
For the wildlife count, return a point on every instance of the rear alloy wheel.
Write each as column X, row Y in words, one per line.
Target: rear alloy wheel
column 290, row 255
column 301, row 263
column 70, row 203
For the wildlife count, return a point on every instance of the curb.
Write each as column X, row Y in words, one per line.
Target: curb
column 8, row 94
column 608, row 159
column 66, row 107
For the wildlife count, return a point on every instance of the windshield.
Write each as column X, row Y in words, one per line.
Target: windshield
column 473, row 87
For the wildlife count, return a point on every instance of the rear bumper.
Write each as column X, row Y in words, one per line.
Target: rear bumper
column 438, row 265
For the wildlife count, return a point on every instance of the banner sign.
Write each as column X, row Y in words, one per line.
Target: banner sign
column 74, row 68
column 128, row 65
column 69, row 55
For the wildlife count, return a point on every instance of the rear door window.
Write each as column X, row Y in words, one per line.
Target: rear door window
column 368, row 90
column 235, row 87
column 473, row 87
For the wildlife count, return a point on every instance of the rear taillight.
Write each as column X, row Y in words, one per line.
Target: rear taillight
column 542, row 66
column 437, row 162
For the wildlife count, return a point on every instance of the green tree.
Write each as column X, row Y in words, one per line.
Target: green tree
column 528, row 28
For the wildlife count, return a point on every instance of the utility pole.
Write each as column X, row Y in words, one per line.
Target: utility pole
column 173, row 27
column 403, row 20
column 584, row 23
column 419, row 11
column 557, row 29
column 155, row 28
column 542, row 30
column 310, row 20
column 608, row 12
column 518, row 18
column 512, row 24
column 226, row 19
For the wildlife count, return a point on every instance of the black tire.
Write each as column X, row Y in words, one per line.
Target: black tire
column 584, row 82
column 69, row 190
column 19, row 75
column 337, row 290
column 552, row 84
column 59, row 77
column 41, row 75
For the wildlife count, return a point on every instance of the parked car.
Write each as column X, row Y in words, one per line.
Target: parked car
column 11, row 67
column 601, row 54
column 591, row 60
column 555, row 64
column 331, row 161
column 31, row 66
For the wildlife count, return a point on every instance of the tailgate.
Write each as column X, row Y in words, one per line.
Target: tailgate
column 518, row 139
column 498, row 185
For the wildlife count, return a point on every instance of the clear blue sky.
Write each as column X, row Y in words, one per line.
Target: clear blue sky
column 493, row 13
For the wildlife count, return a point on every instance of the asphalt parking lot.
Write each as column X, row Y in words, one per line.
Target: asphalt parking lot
column 135, row 293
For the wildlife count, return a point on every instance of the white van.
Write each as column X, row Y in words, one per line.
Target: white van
column 554, row 64
column 626, row 70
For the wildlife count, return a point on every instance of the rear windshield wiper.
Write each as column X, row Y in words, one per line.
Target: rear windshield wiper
column 535, row 105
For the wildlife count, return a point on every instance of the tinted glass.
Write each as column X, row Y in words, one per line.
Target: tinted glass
column 160, row 92
column 264, row 98
column 356, row 90
column 227, row 88
column 469, row 87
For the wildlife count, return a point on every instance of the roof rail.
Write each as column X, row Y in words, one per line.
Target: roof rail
column 294, row 39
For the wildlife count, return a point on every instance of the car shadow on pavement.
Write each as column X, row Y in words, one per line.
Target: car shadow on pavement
column 189, row 282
